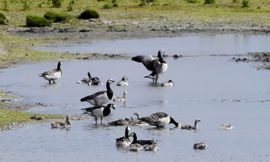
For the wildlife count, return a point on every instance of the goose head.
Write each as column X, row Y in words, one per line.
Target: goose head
column 89, row 75
column 111, row 106
column 110, row 81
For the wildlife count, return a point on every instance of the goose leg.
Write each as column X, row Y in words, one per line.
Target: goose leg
column 101, row 121
column 49, row 81
column 96, row 120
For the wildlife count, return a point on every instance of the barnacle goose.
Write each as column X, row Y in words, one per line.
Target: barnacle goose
column 52, row 75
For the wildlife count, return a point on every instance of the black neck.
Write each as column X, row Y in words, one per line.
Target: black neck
column 89, row 75
column 67, row 121
column 134, row 138
column 173, row 122
column 126, row 132
column 107, row 111
column 160, row 58
column 59, row 66
column 195, row 124
column 109, row 90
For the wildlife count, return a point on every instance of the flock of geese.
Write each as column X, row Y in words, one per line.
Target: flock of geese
column 101, row 106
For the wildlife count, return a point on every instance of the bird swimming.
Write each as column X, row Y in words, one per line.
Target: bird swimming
column 61, row 125
column 190, row 127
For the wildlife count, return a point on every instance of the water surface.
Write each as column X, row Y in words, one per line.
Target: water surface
column 213, row 89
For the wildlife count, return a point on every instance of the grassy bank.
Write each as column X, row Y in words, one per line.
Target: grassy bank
column 11, row 117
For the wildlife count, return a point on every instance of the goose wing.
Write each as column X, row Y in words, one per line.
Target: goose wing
column 90, row 109
column 155, row 119
column 146, row 60
column 93, row 96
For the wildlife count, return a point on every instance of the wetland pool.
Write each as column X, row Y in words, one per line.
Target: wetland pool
column 214, row 89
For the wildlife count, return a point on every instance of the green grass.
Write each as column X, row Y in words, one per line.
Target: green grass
column 8, row 116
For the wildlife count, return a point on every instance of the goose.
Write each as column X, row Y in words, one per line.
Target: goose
column 226, row 126
column 90, row 80
column 99, row 111
column 190, row 127
column 168, row 83
column 200, row 146
column 102, row 97
column 137, row 121
column 120, row 122
column 62, row 125
column 121, row 99
column 123, row 142
column 156, row 66
column 123, row 82
column 159, row 119
column 138, row 145
column 53, row 74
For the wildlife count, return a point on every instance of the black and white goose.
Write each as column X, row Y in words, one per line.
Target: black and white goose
column 159, row 119
column 138, row 145
column 99, row 111
column 53, row 74
column 156, row 66
column 90, row 80
column 61, row 125
column 124, row 142
column 123, row 82
column 200, row 146
column 102, row 97
column 190, row 127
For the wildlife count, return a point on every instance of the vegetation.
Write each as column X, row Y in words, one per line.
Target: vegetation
column 37, row 21
column 56, row 17
column 57, row 3
column 89, row 14
column 209, row 1
column 245, row 3
column 3, row 19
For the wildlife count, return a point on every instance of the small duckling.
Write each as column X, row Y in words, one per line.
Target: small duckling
column 123, row 82
column 61, row 125
column 200, row 146
column 121, row 99
column 226, row 126
column 168, row 83
column 190, row 127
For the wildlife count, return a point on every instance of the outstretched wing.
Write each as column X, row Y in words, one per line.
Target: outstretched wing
column 146, row 60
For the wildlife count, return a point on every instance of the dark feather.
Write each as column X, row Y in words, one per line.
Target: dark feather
column 90, row 97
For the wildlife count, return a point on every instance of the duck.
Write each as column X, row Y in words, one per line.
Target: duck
column 159, row 119
column 123, row 82
column 138, row 145
column 123, row 142
column 168, row 83
column 121, row 99
column 226, row 126
column 156, row 66
column 102, row 97
column 99, row 111
column 52, row 75
column 190, row 127
column 62, row 125
column 200, row 146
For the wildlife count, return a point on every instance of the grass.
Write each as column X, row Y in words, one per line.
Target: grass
column 8, row 116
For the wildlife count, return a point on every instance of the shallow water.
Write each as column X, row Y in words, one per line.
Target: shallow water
column 186, row 44
column 213, row 89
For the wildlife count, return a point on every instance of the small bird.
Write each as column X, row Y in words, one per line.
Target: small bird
column 226, row 126
column 99, row 111
column 62, row 125
column 120, row 99
column 159, row 119
column 138, row 145
column 123, row 82
column 53, row 74
column 156, row 66
column 102, row 97
column 200, row 146
column 123, row 142
column 168, row 83
column 190, row 127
